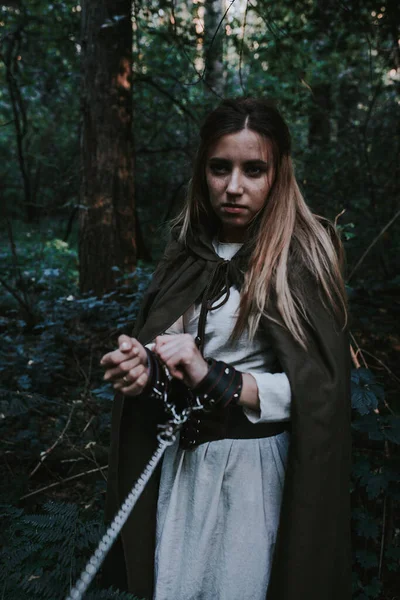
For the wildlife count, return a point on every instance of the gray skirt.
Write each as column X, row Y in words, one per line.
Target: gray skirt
column 217, row 517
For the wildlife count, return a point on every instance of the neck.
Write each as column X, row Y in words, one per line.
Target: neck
column 232, row 236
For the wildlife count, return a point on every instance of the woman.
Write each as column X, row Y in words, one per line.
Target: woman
column 251, row 281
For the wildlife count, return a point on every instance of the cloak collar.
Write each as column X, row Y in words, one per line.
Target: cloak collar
column 190, row 272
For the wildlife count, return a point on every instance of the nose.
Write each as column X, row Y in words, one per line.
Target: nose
column 235, row 184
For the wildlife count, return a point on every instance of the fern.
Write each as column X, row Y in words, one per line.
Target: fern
column 44, row 554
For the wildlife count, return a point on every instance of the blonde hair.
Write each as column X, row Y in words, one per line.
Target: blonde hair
column 287, row 233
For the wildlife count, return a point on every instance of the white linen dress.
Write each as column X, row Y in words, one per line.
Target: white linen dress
column 218, row 505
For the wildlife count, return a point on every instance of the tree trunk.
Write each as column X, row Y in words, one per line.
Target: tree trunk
column 107, row 216
column 319, row 125
column 214, row 28
column 20, row 121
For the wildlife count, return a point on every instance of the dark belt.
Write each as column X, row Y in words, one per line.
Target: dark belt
column 225, row 423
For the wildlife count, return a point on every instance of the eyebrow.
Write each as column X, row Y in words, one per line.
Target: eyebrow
column 247, row 163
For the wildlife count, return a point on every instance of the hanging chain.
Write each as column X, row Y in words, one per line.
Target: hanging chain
column 95, row 562
column 166, row 437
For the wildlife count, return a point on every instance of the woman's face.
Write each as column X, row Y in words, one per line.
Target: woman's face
column 239, row 176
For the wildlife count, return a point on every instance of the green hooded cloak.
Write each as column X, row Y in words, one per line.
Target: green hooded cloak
column 312, row 558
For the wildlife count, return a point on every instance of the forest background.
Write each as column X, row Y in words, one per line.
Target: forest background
column 100, row 106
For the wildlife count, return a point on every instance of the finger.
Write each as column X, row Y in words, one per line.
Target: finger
column 166, row 340
column 137, row 388
column 122, row 369
column 130, row 377
column 176, row 373
column 134, row 388
column 176, row 342
column 162, row 339
column 125, row 343
column 174, row 365
column 116, row 357
column 175, row 354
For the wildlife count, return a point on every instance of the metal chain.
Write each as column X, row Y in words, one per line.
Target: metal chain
column 166, row 437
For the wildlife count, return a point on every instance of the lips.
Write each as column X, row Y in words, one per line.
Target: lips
column 233, row 208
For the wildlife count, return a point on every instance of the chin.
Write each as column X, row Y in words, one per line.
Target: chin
column 235, row 221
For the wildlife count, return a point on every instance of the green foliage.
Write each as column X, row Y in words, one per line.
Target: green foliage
column 40, row 51
column 44, row 553
column 376, row 479
column 35, row 355
column 365, row 392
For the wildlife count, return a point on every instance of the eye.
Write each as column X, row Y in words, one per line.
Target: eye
column 255, row 170
column 219, row 168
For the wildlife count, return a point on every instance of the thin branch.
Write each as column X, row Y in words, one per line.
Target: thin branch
column 97, row 464
column 372, row 244
column 57, row 483
column 354, row 358
column 87, row 424
column 46, row 453
column 338, row 216
column 159, row 88
column 359, row 351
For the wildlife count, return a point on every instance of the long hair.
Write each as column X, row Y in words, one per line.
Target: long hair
column 284, row 228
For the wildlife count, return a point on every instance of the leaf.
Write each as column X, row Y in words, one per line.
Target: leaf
column 362, row 376
column 370, row 424
column 365, row 391
column 363, row 400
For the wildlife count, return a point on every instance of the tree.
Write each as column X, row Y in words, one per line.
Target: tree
column 213, row 46
column 11, row 57
column 319, row 123
column 107, row 216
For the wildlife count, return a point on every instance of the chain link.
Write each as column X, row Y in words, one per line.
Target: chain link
column 166, row 437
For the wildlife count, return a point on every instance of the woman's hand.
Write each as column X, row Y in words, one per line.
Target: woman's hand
column 126, row 367
column 182, row 358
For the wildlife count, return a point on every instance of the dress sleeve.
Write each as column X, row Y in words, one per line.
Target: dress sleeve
column 175, row 328
column 275, row 398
